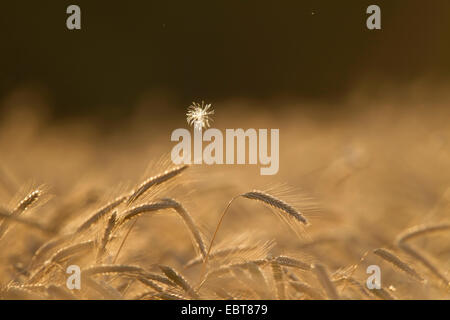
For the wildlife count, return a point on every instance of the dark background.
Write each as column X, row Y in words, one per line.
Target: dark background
column 215, row 50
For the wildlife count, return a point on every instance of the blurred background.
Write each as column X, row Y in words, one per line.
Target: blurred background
column 128, row 53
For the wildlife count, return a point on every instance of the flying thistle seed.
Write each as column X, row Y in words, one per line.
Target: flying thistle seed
column 199, row 115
